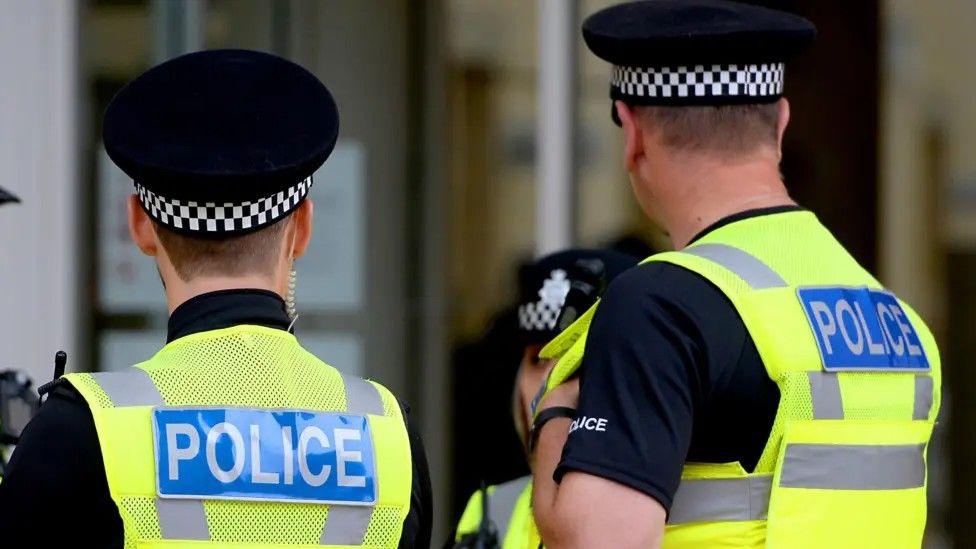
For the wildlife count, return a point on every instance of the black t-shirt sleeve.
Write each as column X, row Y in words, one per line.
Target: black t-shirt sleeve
column 646, row 373
column 56, row 478
column 418, row 525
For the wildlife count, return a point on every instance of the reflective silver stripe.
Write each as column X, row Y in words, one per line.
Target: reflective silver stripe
column 362, row 397
column 924, row 389
column 825, row 392
column 853, row 466
column 747, row 266
column 724, row 499
column 501, row 504
column 828, row 404
column 346, row 525
column 182, row 519
column 132, row 387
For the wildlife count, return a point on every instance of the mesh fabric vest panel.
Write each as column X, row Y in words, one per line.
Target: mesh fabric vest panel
column 250, row 367
column 797, row 496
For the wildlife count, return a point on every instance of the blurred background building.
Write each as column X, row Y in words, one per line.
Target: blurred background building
column 476, row 134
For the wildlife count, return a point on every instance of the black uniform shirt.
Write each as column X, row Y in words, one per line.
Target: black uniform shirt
column 55, row 489
column 675, row 376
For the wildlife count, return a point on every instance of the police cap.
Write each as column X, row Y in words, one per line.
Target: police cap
column 221, row 142
column 6, row 196
column 696, row 52
column 545, row 283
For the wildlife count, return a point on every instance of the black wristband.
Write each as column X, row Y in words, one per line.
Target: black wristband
column 543, row 417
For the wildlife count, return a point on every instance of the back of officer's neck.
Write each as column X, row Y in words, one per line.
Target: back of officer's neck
column 699, row 190
column 179, row 291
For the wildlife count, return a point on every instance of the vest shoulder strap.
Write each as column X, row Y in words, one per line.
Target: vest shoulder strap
column 135, row 387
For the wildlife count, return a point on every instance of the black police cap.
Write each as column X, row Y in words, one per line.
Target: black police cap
column 6, row 196
column 545, row 283
column 221, row 142
column 696, row 52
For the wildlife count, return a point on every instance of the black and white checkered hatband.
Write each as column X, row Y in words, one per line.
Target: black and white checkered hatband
column 542, row 314
column 538, row 316
column 699, row 84
column 225, row 218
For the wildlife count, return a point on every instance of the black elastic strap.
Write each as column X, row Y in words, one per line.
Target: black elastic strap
column 543, row 417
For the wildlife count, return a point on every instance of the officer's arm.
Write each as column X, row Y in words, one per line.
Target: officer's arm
column 642, row 376
column 586, row 510
column 56, row 476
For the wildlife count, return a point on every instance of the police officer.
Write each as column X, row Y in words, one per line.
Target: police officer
column 543, row 289
column 757, row 387
column 232, row 433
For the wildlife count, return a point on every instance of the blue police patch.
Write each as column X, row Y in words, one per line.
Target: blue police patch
column 861, row 329
column 237, row 453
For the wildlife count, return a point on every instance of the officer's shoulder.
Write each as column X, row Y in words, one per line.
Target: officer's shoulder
column 64, row 407
column 64, row 391
column 673, row 294
column 669, row 295
column 63, row 421
column 660, row 281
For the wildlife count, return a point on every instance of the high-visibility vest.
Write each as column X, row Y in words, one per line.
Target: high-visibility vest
column 509, row 510
column 845, row 462
column 250, row 372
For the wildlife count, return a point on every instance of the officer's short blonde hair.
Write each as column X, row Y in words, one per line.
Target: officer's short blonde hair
column 725, row 130
column 247, row 254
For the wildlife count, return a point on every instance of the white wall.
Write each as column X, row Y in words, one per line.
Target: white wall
column 38, row 146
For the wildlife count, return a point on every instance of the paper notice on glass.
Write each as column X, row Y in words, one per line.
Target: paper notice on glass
column 128, row 281
column 330, row 274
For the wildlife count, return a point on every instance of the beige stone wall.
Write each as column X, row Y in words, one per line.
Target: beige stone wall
column 928, row 143
column 927, row 207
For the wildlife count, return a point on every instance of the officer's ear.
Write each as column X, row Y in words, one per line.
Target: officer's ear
column 633, row 136
column 141, row 227
column 781, row 123
column 302, row 222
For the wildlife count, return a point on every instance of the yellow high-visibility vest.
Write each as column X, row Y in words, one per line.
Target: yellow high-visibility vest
column 256, row 372
column 510, row 512
column 845, row 463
